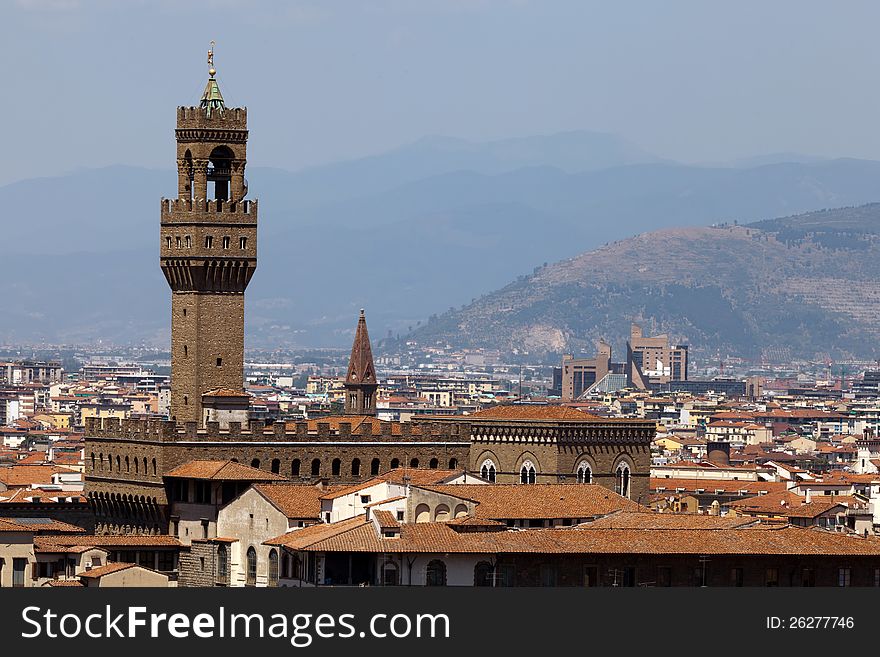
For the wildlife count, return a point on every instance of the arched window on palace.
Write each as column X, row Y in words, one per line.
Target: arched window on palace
column 276, row 466
column 622, row 480
column 389, row 574
column 584, row 473
column 453, row 463
column 527, row 473
column 222, row 561
column 316, row 467
column 488, row 470
column 255, row 464
column 374, row 467
column 435, row 573
column 294, row 468
column 483, row 574
column 355, row 467
column 414, row 463
column 395, row 463
column 251, row 567
column 273, row 568
column 336, row 467
column 434, row 464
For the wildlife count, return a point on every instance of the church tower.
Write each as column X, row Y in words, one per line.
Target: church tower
column 208, row 252
column 360, row 382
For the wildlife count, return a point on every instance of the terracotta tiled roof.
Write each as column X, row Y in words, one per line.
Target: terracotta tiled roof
column 95, row 573
column 65, row 582
column 727, row 486
column 113, row 540
column 644, row 520
column 356, row 535
column 47, row 525
column 15, row 476
column 503, row 501
column 294, row 500
column 778, row 503
column 416, row 477
column 300, row 538
column 54, row 548
column 386, row 519
column 225, row 392
column 221, row 471
column 531, row 412
column 6, row 526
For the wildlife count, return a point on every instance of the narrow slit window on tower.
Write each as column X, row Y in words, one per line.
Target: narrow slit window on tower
column 168, row 242
column 188, row 241
column 242, row 243
column 226, row 242
column 185, row 351
column 219, row 362
column 209, row 242
column 177, row 242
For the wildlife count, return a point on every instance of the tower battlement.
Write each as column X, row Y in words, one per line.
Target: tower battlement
column 170, row 208
column 195, row 118
column 166, row 431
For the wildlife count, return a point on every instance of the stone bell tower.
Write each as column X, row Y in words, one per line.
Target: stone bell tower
column 208, row 251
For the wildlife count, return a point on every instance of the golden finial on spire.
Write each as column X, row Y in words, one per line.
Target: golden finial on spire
column 211, row 71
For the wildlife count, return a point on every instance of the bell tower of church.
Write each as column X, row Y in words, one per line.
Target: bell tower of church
column 361, row 384
column 208, row 252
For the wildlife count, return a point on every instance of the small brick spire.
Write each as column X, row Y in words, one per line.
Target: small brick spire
column 360, row 382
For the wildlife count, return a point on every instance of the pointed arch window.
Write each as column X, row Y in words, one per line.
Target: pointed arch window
column 251, row 567
column 488, row 470
column 273, row 568
column 584, row 473
column 527, row 473
column 622, row 480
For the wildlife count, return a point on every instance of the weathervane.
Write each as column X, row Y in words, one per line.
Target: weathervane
column 211, row 70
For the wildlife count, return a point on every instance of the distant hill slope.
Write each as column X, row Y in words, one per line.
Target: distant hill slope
column 404, row 234
column 803, row 285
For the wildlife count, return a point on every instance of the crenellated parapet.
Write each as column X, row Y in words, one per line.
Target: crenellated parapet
column 154, row 430
column 195, row 118
column 206, row 210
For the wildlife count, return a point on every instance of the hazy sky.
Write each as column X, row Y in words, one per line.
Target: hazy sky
column 95, row 82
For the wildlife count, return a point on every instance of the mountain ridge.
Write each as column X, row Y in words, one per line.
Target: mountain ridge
column 405, row 252
column 804, row 284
